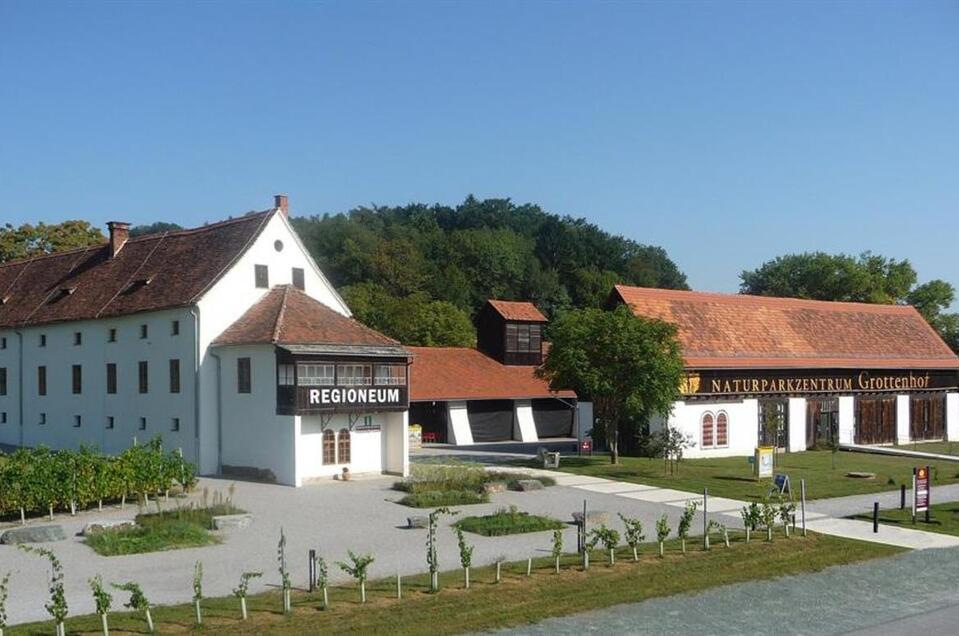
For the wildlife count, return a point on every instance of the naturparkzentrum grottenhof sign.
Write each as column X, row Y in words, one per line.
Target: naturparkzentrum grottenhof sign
column 721, row 382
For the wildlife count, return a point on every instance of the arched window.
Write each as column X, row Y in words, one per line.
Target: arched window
column 329, row 447
column 722, row 429
column 343, row 446
column 708, row 430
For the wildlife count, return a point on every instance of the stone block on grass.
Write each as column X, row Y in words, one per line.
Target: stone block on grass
column 33, row 534
column 528, row 485
column 232, row 522
column 417, row 522
column 593, row 518
column 494, row 487
column 108, row 524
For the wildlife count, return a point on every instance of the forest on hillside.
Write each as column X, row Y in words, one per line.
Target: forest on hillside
column 419, row 272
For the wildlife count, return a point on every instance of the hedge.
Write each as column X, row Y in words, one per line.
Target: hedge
column 40, row 480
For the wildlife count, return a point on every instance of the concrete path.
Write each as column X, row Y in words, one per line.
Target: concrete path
column 898, row 451
column 888, row 534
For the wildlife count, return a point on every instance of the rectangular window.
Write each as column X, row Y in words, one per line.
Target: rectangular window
column 77, row 338
column 285, row 375
column 175, row 424
column 3, row 342
column 244, row 380
column 3, row 417
column 111, row 378
column 144, row 372
column 261, row 276
column 535, row 338
column 390, row 375
column 511, row 337
column 522, row 339
column 144, row 332
column 112, row 335
column 110, row 422
column 43, row 340
column 77, row 379
column 353, row 374
column 43, row 419
column 298, row 278
column 143, row 423
column 41, row 380
column 3, row 380
column 175, row 328
column 174, row 376
column 315, row 374
column 77, row 421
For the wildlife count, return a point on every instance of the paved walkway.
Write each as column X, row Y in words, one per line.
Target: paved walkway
column 898, row 451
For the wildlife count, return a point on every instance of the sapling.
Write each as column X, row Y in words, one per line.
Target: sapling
column 357, row 567
column 751, row 517
column 715, row 526
column 768, row 516
column 323, row 580
column 499, row 568
column 57, row 607
column 686, row 521
column 241, row 590
column 634, row 533
column 285, row 582
column 4, row 592
column 432, row 559
column 609, row 538
column 662, row 531
column 103, row 600
column 787, row 510
column 198, row 590
column 466, row 556
column 557, row 547
column 138, row 601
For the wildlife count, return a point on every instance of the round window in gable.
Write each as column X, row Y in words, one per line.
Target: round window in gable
column 278, row 245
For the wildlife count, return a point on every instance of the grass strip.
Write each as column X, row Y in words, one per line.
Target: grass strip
column 943, row 518
column 156, row 532
column 504, row 522
column 517, row 600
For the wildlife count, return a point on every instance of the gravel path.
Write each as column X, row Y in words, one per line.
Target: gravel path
column 835, row 601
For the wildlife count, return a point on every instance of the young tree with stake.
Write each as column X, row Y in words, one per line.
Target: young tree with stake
column 662, row 532
column 103, row 600
column 357, row 567
column 686, row 521
column 138, row 601
column 752, row 516
column 323, row 580
column 466, row 556
column 634, row 533
column 285, row 582
column 787, row 510
column 243, row 588
column 198, row 590
column 4, row 592
column 57, row 607
column 609, row 538
column 768, row 515
column 432, row 559
column 557, row 547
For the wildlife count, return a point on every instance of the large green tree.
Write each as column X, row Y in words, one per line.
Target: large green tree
column 868, row 278
column 629, row 367
column 35, row 240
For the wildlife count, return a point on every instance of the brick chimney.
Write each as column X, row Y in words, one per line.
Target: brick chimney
column 119, row 233
column 282, row 203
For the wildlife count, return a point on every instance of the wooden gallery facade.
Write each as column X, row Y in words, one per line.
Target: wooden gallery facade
column 799, row 374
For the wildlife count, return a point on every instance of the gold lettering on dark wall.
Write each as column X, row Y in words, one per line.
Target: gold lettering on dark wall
column 729, row 384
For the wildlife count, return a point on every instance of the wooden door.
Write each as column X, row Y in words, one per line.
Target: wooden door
column 822, row 418
column 927, row 415
column 876, row 420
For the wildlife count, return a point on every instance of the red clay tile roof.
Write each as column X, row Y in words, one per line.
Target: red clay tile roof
column 517, row 310
column 285, row 315
column 462, row 373
column 158, row 271
column 740, row 331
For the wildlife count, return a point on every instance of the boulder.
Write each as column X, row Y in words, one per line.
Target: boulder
column 108, row 524
column 494, row 487
column 526, row 485
column 33, row 534
column 861, row 475
column 593, row 518
column 231, row 522
column 417, row 522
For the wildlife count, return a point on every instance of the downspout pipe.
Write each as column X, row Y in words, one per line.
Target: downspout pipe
column 20, row 382
column 219, row 412
column 195, row 312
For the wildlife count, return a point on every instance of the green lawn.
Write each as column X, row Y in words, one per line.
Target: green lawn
column 168, row 530
column 732, row 476
column 517, row 600
column 507, row 521
column 943, row 518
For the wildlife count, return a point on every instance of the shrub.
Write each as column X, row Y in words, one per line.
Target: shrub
column 439, row 498
column 508, row 521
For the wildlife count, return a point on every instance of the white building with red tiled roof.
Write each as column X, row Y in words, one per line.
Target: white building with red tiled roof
column 816, row 371
column 226, row 340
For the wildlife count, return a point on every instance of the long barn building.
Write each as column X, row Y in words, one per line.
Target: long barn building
column 799, row 374
column 226, row 340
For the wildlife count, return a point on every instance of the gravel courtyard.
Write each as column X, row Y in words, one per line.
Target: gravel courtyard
column 331, row 517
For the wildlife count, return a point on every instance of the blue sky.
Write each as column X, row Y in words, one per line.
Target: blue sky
column 728, row 133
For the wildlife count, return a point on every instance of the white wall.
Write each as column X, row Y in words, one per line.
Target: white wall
column 952, row 417
column 902, row 419
column 847, row 419
column 234, row 293
column 584, row 419
column 743, row 426
column 797, row 424
column 524, row 428
column 458, row 428
column 396, row 447
column 93, row 404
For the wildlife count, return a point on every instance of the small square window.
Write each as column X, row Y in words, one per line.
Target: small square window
column 298, row 278
column 77, row 338
column 110, row 422
column 143, row 332
column 77, row 421
column 43, row 418
column 112, row 335
column 175, row 424
column 3, row 417
column 175, row 328
column 3, row 342
column 43, row 340
column 143, row 423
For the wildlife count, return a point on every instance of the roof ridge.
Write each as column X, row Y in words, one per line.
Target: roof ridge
column 277, row 325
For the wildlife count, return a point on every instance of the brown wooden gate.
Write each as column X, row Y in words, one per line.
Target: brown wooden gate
column 822, row 422
column 927, row 415
column 875, row 420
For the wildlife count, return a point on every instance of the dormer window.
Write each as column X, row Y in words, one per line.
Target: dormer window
column 511, row 332
column 523, row 338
